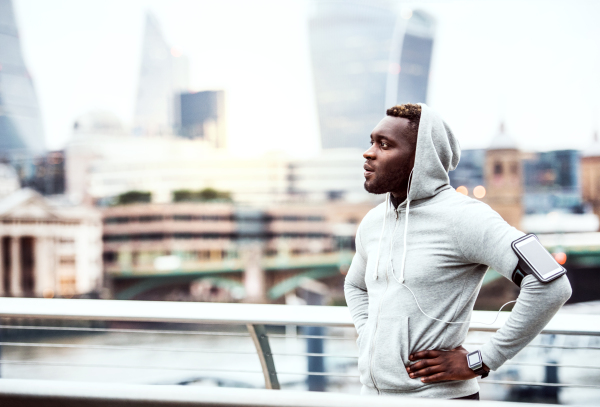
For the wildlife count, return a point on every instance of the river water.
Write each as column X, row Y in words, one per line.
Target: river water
column 190, row 358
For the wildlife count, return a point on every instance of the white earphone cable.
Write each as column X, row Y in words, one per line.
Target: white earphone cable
column 461, row 322
column 401, row 281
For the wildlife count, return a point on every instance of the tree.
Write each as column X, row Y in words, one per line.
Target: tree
column 131, row 197
column 203, row 195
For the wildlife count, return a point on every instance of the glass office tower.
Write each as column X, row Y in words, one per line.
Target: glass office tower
column 21, row 131
column 366, row 56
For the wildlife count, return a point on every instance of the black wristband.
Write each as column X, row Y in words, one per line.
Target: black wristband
column 518, row 276
column 482, row 372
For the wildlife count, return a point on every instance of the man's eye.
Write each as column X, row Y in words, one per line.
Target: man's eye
column 384, row 144
column 371, row 142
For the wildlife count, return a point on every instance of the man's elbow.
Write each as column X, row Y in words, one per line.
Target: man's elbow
column 561, row 290
column 349, row 286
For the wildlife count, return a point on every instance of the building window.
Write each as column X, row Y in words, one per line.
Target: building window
column 27, row 264
column 153, row 218
column 315, row 219
column 116, row 220
column 116, row 238
column 182, row 217
column 67, row 260
column 109, row 257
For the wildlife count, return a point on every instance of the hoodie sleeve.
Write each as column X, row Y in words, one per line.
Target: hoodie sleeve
column 485, row 238
column 355, row 288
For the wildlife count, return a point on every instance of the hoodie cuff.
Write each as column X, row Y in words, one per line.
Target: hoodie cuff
column 492, row 357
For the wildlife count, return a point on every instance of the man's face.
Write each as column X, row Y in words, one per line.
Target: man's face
column 390, row 158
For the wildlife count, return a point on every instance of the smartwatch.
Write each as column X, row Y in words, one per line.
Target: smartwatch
column 475, row 362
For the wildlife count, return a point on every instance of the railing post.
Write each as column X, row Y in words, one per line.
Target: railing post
column 263, row 349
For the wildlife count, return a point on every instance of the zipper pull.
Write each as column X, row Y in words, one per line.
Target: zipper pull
column 396, row 214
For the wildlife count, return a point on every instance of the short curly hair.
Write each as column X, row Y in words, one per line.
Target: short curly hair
column 410, row 111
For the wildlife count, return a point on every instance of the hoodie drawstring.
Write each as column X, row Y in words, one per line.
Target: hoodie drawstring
column 387, row 204
column 401, row 281
column 404, row 251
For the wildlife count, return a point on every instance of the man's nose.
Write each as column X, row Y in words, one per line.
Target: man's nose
column 370, row 153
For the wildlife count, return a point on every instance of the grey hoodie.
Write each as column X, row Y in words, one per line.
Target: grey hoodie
column 449, row 241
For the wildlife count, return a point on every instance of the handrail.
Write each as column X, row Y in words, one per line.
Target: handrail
column 183, row 312
column 19, row 393
column 253, row 316
column 243, row 314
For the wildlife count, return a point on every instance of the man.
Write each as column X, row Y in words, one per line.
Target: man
column 420, row 259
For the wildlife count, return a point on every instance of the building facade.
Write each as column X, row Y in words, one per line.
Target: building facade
column 21, row 131
column 365, row 58
column 164, row 72
column 470, row 171
column 135, row 235
column 551, row 182
column 590, row 175
column 503, row 178
column 47, row 250
column 202, row 115
column 541, row 188
column 408, row 82
column 9, row 181
column 103, row 161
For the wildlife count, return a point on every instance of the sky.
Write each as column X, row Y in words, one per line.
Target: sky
column 534, row 65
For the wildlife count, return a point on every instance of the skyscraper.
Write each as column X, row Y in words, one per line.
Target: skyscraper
column 365, row 58
column 21, row 131
column 202, row 115
column 412, row 78
column 163, row 73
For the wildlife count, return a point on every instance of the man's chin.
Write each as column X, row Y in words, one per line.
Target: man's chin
column 373, row 188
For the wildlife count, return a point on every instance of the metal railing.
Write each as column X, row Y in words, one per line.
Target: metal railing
column 565, row 333
column 25, row 393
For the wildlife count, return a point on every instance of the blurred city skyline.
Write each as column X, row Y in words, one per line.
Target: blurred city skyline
column 533, row 65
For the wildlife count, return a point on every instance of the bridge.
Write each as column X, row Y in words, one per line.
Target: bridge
column 284, row 273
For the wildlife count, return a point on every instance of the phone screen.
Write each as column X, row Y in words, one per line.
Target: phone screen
column 538, row 256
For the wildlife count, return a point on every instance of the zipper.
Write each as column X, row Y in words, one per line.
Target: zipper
column 374, row 336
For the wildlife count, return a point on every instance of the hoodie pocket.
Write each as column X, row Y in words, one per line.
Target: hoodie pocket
column 390, row 356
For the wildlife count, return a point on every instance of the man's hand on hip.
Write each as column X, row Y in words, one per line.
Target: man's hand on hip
column 439, row 365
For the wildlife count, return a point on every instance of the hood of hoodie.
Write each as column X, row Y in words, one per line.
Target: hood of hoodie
column 437, row 152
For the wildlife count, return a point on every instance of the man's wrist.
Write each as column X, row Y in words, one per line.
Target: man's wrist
column 483, row 371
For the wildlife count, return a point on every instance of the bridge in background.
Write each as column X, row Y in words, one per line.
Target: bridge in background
column 285, row 273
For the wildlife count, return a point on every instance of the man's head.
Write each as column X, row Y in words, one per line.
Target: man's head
column 391, row 156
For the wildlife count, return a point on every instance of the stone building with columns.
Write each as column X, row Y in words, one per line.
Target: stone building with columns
column 48, row 250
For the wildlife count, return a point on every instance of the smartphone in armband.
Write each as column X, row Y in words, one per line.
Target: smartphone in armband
column 534, row 259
